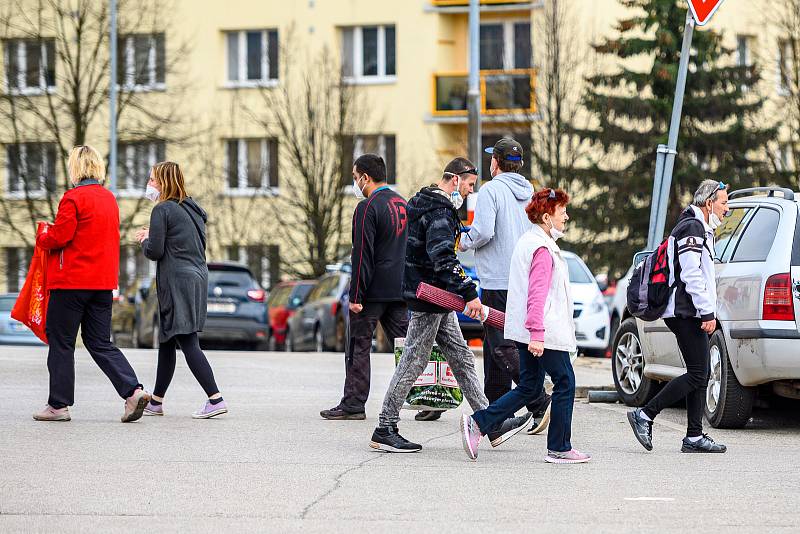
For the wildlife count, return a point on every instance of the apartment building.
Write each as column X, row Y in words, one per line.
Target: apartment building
column 205, row 66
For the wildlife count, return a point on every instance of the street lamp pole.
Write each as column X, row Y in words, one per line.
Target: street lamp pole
column 112, row 100
column 474, row 91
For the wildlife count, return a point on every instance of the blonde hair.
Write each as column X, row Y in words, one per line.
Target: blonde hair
column 85, row 162
column 169, row 177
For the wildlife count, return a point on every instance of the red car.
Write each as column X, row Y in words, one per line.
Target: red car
column 283, row 301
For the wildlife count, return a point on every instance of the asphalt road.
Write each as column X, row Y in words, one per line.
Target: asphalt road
column 272, row 465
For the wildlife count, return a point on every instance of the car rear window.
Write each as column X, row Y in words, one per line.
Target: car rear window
column 223, row 278
column 300, row 291
column 279, row 296
column 6, row 303
column 577, row 274
column 757, row 240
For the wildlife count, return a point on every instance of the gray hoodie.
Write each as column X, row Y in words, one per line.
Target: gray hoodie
column 500, row 220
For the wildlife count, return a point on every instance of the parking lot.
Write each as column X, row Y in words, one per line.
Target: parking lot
column 273, row 465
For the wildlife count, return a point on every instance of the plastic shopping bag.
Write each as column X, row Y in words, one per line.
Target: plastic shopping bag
column 31, row 306
column 436, row 388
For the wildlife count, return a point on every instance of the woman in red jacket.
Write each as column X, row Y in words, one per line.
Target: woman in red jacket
column 82, row 271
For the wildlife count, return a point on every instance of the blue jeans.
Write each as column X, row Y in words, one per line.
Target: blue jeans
column 531, row 379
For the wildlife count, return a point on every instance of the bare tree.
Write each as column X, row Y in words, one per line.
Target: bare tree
column 314, row 113
column 784, row 17
column 57, row 86
column 560, row 60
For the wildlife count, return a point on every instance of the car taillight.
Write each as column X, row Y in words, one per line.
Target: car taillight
column 334, row 308
column 778, row 305
column 256, row 295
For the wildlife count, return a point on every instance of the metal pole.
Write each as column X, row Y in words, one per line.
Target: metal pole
column 674, row 128
column 655, row 201
column 112, row 101
column 474, row 91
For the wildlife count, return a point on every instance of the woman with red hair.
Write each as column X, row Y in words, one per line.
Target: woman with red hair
column 539, row 320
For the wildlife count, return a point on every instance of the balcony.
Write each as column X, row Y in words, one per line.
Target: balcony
column 462, row 6
column 508, row 93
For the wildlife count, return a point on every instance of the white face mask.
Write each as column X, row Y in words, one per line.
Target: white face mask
column 455, row 196
column 555, row 233
column 152, row 194
column 358, row 191
column 714, row 221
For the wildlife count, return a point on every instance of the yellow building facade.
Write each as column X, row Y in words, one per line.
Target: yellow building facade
column 205, row 67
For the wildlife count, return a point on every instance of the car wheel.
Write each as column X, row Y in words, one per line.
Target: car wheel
column 728, row 403
column 633, row 387
column 319, row 342
column 289, row 341
column 155, row 344
column 340, row 334
column 135, row 343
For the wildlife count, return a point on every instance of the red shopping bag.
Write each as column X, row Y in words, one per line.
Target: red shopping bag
column 31, row 306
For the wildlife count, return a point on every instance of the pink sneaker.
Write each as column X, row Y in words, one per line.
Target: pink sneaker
column 470, row 436
column 569, row 457
column 134, row 406
column 52, row 414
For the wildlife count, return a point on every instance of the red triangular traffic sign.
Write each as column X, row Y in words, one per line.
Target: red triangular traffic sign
column 703, row 10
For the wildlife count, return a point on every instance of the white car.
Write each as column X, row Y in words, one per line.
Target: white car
column 592, row 318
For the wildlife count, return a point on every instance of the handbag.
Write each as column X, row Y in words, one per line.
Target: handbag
column 31, row 306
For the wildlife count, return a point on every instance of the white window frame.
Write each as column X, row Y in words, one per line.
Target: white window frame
column 243, row 190
column 129, row 65
column 127, row 154
column 39, row 193
column 358, row 77
column 22, row 63
column 358, row 150
column 508, row 39
column 265, row 80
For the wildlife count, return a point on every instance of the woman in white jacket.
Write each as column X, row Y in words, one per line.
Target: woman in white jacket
column 539, row 320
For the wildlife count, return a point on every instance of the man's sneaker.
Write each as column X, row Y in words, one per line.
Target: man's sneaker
column 509, row 428
column 470, row 436
column 539, row 424
column 388, row 439
column 338, row 414
column 642, row 428
column 544, row 407
column 569, row 457
column 428, row 415
column 703, row 445
column 154, row 409
column 210, row 410
column 134, row 406
column 53, row 414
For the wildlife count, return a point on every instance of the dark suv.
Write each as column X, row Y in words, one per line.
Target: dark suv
column 237, row 309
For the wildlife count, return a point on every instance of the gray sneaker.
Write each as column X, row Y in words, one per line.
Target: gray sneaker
column 53, row 414
column 509, row 428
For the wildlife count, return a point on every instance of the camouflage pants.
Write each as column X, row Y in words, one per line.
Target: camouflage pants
column 423, row 329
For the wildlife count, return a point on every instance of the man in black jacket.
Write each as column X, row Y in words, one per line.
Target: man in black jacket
column 379, row 247
column 433, row 231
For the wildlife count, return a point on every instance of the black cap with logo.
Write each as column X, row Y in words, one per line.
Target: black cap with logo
column 506, row 149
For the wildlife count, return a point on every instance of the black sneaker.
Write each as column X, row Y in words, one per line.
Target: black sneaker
column 428, row 415
column 544, row 407
column 540, row 422
column 642, row 428
column 338, row 414
column 704, row 445
column 509, row 428
column 390, row 440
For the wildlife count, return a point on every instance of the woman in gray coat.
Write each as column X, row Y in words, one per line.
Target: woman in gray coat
column 176, row 240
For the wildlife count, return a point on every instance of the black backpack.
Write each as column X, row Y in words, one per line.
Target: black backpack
column 649, row 288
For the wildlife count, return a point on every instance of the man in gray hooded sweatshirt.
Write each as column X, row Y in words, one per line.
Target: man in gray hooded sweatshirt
column 500, row 220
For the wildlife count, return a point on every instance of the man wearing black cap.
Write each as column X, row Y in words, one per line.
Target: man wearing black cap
column 499, row 222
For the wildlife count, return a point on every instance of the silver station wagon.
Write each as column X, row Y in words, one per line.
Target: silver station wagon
column 756, row 347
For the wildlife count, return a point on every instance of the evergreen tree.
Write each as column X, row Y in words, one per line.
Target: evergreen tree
column 722, row 136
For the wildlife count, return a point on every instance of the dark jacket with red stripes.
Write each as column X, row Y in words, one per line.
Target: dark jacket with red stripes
column 380, row 228
column 84, row 240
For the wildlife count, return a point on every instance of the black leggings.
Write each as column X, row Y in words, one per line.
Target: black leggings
column 195, row 359
column 694, row 346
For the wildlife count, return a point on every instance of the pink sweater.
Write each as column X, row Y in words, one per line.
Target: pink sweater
column 539, row 278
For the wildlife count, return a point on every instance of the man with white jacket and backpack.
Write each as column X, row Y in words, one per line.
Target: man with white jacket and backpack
column 690, row 315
